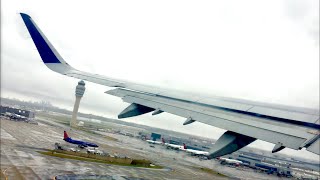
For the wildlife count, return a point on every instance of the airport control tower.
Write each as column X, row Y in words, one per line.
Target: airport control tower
column 79, row 93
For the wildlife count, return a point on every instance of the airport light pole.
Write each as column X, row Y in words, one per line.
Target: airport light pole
column 79, row 93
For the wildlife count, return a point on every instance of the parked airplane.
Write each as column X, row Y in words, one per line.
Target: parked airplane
column 245, row 121
column 81, row 144
column 194, row 152
column 154, row 142
column 230, row 161
column 172, row 146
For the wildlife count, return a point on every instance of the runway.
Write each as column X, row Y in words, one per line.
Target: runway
column 20, row 160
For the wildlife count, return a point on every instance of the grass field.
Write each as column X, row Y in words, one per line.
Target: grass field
column 135, row 163
column 210, row 171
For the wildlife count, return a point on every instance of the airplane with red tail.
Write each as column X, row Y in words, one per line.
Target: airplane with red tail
column 81, row 144
column 194, row 152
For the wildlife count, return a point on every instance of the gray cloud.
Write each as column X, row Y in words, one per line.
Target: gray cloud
column 306, row 14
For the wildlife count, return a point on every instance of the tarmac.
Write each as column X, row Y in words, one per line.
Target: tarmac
column 20, row 143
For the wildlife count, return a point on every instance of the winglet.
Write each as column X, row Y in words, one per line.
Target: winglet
column 25, row 15
column 46, row 50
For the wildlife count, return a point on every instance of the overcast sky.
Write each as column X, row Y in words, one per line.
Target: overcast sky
column 258, row 50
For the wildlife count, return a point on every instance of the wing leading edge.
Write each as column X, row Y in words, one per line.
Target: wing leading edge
column 245, row 121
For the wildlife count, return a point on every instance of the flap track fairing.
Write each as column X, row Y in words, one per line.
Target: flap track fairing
column 134, row 110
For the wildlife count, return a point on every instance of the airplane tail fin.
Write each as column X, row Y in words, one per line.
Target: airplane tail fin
column 65, row 135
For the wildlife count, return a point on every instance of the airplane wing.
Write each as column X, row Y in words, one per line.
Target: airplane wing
column 245, row 121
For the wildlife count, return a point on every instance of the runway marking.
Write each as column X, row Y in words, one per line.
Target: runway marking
column 5, row 135
column 37, row 132
column 21, row 154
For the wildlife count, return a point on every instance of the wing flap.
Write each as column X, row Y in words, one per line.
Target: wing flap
column 284, row 114
column 290, row 135
column 315, row 147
